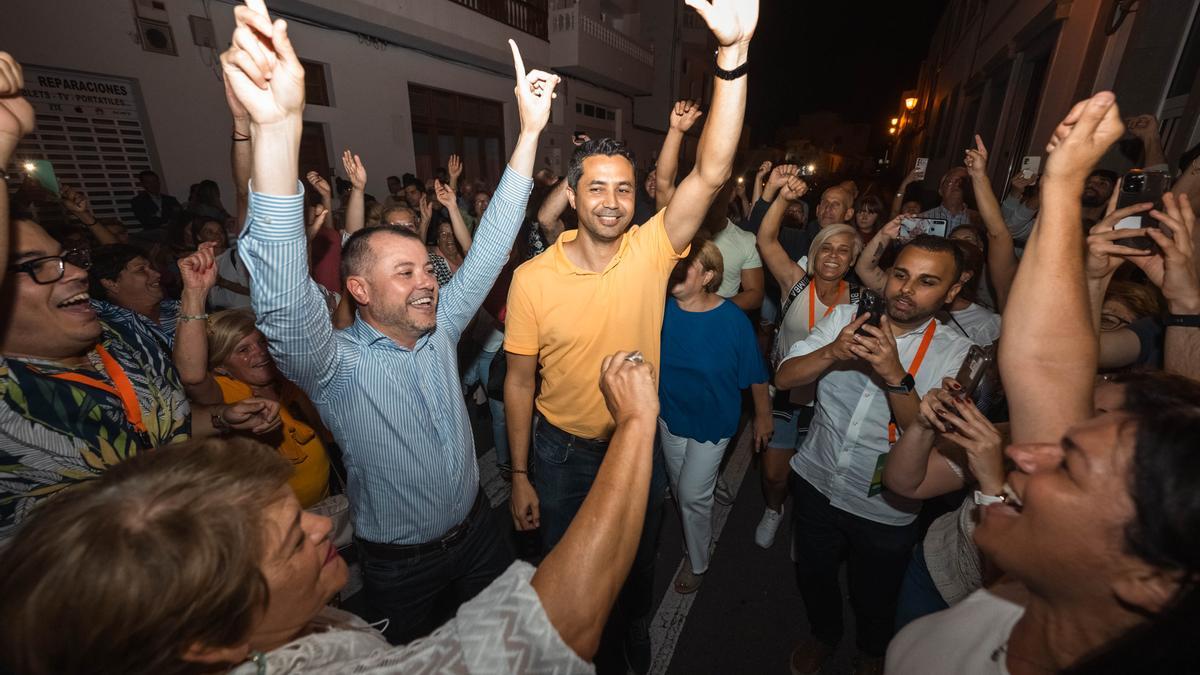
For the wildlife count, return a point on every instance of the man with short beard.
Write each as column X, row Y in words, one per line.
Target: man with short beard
column 387, row 387
column 601, row 286
column 869, row 386
column 1020, row 214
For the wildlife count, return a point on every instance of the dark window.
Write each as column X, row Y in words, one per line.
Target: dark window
column 314, row 155
column 316, row 84
column 1189, row 64
column 446, row 123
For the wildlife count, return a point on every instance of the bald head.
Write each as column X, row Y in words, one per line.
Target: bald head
column 836, row 206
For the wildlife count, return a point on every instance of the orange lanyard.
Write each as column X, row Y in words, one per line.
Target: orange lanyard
column 121, row 387
column 915, row 367
column 812, row 303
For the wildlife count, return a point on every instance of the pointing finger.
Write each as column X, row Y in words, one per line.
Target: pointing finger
column 518, row 63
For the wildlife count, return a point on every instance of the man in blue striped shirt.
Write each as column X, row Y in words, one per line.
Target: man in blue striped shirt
column 387, row 386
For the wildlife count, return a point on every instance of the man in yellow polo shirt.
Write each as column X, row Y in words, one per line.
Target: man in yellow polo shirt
column 602, row 288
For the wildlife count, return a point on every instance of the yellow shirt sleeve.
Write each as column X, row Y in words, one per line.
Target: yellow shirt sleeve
column 520, row 323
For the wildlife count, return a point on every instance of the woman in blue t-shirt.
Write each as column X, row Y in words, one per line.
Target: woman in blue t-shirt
column 709, row 354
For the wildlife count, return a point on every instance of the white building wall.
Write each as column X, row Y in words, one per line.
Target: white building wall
column 183, row 95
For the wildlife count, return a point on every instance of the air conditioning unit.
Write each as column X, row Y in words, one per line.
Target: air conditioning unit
column 156, row 37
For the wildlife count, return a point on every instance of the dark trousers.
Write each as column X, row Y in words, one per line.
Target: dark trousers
column 876, row 556
column 419, row 593
column 919, row 596
column 565, row 466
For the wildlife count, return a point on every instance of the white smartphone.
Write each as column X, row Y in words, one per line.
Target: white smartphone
column 920, row 166
column 1030, row 166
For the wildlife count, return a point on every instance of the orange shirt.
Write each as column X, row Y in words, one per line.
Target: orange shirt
column 571, row 318
column 298, row 441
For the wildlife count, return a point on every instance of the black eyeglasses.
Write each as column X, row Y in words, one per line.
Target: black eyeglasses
column 51, row 268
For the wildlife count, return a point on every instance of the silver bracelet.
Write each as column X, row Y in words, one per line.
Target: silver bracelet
column 193, row 317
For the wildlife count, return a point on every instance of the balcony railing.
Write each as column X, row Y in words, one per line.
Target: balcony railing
column 569, row 19
column 527, row 16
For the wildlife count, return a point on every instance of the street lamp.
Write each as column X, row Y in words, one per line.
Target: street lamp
column 910, row 103
column 892, row 131
column 895, row 121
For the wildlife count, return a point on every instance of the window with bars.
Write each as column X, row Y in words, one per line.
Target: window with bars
column 93, row 131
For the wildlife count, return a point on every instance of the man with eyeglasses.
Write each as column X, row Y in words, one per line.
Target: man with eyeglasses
column 79, row 394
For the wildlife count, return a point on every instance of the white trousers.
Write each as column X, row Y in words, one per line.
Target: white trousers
column 692, row 469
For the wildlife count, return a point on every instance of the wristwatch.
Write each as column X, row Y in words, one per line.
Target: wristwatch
column 906, row 385
column 983, row 500
column 1186, row 320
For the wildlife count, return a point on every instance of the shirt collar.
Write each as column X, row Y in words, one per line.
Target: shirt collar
column 370, row 336
column 563, row 264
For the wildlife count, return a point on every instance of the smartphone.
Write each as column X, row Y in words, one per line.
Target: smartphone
column 1138, row 187
column 920, row 166
column 871, row 302
column 43, row 172
column 974, row 368
column 1030, row 166
column 911, row 227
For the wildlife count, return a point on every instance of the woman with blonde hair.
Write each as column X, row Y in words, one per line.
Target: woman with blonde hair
column 223, row 358
column 811, row 288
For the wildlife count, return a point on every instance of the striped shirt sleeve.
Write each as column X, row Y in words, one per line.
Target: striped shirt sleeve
column 290, row 309
column 461, row 298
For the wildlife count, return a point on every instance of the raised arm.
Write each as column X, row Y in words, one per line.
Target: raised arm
column 913, row 468
column 16, row 120
column 760, row 177
column 461, row 298
column 1001, row 255
column 1048, row 348
column 867, row 268
column 783, row 268
column 732, row 23
column 447, row 198
column 454, row 168
column 1145, row 129
column 808, row 359
column 549, row 214
column 199, row 272
column 76, row 203
column 683, row 115
column 356, row 210
column 898, row 200
column 267, row 79
column 600, row 543
column 239, row 155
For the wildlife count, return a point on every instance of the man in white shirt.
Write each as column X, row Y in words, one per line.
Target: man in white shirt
column 743, row 281
column 870, row 384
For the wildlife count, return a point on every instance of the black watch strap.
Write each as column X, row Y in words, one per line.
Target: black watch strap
column 732, row 74
column 1186, row 320
column 906, row 385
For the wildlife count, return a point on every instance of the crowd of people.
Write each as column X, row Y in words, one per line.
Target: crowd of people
column 984, row 407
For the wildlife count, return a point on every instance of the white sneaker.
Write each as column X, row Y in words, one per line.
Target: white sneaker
column 764, row 534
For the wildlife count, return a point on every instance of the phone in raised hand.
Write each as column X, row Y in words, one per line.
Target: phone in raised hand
column 1139, row 187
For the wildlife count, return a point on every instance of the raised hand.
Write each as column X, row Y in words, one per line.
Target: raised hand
column 535, row 91
column 198, row 271
column 76, row 202
column 732, row 22
column 1083, row 136
column 684, row 114
column 794, row 189
column 1172, row 269
column 264, row 74
column 1105, row 252
column 426, row 210
column 16, row 115
column 842, row 349
column 454, row 167
column 319, row 184
column 444, row 194
column 316, row 220
column 1019, row 182
column 975, row 159
column 763, row 170
column 355, row 171
column 1143, row 126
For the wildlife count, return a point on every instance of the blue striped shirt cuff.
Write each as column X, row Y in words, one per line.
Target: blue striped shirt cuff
column 275, row 217
column 513, row 186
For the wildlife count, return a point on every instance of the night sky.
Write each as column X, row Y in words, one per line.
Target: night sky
column 854, row 58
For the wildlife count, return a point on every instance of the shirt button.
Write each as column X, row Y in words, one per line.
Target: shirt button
column 266, row 219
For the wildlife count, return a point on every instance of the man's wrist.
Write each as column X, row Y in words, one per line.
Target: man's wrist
column 1184, row 306
column 192, row 300
column 219, row 423
column 730, row 57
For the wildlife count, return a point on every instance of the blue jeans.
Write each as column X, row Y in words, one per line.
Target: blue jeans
column 564, row 468
column 478, row 372
column 918, row 594
column 422, row 592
